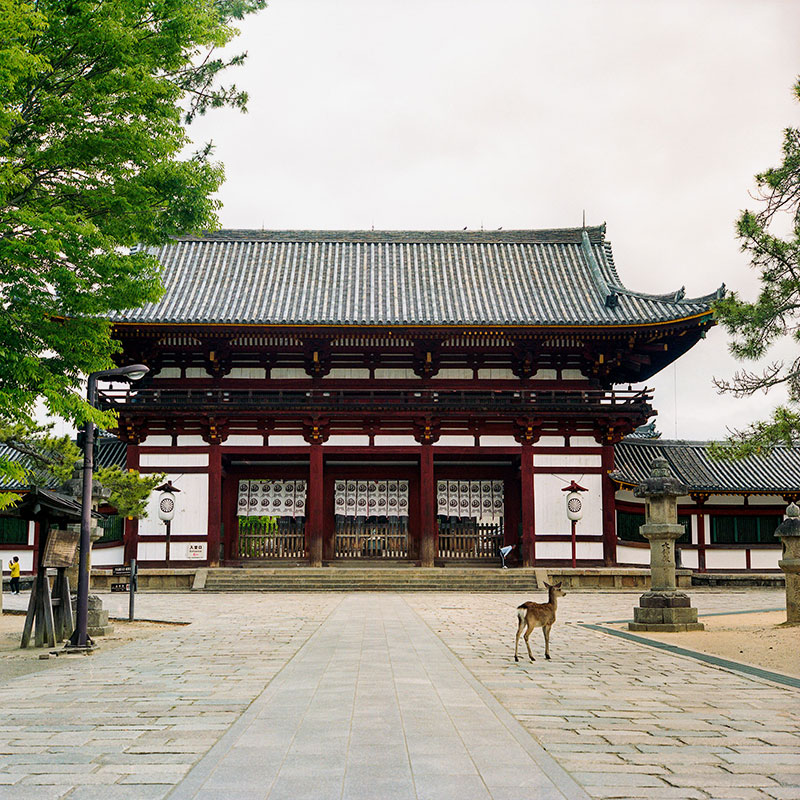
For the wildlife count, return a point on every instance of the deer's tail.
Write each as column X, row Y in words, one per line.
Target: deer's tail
column 522, row 612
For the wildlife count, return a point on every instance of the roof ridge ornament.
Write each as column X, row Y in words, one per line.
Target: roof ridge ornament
column 610, row 296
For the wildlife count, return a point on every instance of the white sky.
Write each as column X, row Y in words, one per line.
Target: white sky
column 438, row 114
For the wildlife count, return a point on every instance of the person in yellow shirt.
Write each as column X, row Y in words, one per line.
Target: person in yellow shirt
column 14, row 567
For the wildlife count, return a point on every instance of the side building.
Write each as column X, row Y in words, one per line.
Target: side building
column 325, row 396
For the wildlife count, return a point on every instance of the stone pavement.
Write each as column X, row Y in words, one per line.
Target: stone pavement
column 354, row 695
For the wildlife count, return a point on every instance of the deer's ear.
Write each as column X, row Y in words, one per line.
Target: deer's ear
column 547, row 584
column 558, row 585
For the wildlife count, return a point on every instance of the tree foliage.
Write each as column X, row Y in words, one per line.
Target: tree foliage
column 94, row 99
column 771, row 237
column 34, row 455
column 129, row 490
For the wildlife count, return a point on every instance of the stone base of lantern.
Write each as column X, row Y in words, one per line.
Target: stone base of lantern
column 667, row 611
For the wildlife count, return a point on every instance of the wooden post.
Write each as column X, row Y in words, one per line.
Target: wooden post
column 528, row 519
column 609, row 508
column 214, row 503
column 429, row 535
column 700, row 500
column 315, row 517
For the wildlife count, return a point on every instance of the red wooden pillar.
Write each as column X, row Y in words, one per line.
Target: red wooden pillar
column 609, row 508
column 429, row 533
column 130, row 537
column 315, row 517
column 701, row 532
column 527, row 515
column 214, row 503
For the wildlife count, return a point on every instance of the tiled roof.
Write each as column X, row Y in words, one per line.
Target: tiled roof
column 538, row 277
column 690, row 463
column 110, row 451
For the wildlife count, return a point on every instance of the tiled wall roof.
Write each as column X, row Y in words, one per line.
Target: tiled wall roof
column 689, row 462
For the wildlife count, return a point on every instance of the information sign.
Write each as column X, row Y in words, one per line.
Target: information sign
column 59, row 551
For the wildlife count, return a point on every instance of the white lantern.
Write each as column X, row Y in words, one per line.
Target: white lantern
column 574, row 506
column 166, row 502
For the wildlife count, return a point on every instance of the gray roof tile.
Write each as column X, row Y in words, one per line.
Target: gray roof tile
column 546, row 277
column 689, row 462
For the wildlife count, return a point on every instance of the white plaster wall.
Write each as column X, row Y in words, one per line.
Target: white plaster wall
column 169, row 372
column 499, row 441
column 626, row 496
column 548, row 550
column 287, row 441
column 152, row 551
column 497, row 374
column 157, row 441
column 31, row 533
column 258, row 373
column 397, row 374
column 454, row 374
column 455, row 441
column 193, row 440
column 689, row 559
column 582, row 441
column 164, row 460
column 633, row 555
column 550, row 505
column 191, row 507
column 7, row 552
column 243, row 440
column 196, row 372
column 287, row 372
column 396, row 441
column 573, row 375
column 725, row 559
column 566, row 460
column 357, row 440
column 549, row 441
column 545, row 375
column 108, row 556
column 764, row 559
column 353, row 372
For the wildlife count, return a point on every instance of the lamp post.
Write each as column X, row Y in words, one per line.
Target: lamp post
column 166, row 510
column 132, row 372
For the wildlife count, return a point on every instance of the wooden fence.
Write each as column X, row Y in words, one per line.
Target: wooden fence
column 357, row 538
column 283, row 538
column 469, row 539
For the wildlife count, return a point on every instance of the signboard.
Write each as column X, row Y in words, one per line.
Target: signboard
column 196, row 551
column 120, row 587
column 121, row 571
column 59, row 551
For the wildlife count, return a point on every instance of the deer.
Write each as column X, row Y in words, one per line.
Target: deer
column 538, row 615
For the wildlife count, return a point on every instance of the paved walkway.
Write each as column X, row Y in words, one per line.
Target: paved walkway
column 395, row 696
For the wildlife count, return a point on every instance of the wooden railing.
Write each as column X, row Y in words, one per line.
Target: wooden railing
column 357, row 538
column 468, row 539
column 284, row 540
column 292, row 400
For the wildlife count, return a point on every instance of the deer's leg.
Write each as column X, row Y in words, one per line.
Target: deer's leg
column 546, row 632
column 527, row 643
column 516, row 643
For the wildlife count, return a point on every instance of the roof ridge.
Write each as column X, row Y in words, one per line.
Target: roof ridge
column 520, row 235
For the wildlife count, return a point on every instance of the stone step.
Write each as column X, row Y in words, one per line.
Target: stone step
column 383, row 578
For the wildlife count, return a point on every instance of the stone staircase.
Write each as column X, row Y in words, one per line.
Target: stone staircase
column 367, row 579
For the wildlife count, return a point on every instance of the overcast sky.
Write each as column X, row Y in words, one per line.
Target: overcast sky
column 438, row 114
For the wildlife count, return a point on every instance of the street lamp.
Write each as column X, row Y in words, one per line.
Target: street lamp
column 132, row 372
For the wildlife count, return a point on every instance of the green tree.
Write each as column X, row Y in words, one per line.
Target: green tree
column 771, row 237
column 34, row 455
column 95, row 96
column 129, row 490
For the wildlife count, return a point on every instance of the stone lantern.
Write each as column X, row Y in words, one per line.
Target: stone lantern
column 663, row 608
column 789, row 534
